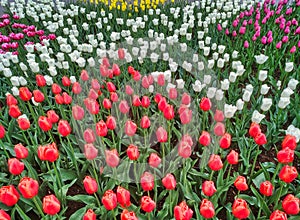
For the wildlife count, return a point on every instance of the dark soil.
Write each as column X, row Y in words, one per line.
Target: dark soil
column 73, row 206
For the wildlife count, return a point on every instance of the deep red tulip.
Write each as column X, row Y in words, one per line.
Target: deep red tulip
column 111, row 87
column 183, row 212
column 204, row 138
column 77, row 112
column 133, row 152
column 28, row 187
column 123, row 197
column 38, row 96
column 4, row 215
column 64, row 128
column 240, row 209
column 11, row 100
column 48, row 152
column 207, row 209
column 20, row 151
column 154, row 160
column 278, row 215
column 44, row 123
column 25, row 94
column 51, row 205
column 66, row 81
column 147, row 204
column 225, row 141
column 9, row 195
column 169, row 181
column 169, row 112
column 106, row 103
column 23, row 123
column 286, row 155
column 109, row 200
column 205, row 104
column 52, row 116
column 145, row 102
column 208, row 188
column 147, row 181
column 14, row 111
column 260, row 139
column 112, row 158
column 56, row 89
column 288, row 173
column 40, row 80
column 76, row 88
column 233, row 157
column 215, row 162
column 241, row 183
column 289, row 141
column 90, row 185
column 89, row 215
column 123, row 107
column 162, row 104
column 101, row 128
column 254, row 130
column 136, row 101
column 266, row 188
column 145, row 122
column 130, row 128
column 161, row 135
column 15, row 166
column 90, row 151
column 290, row 204
column 126, row 215
column 111, row 122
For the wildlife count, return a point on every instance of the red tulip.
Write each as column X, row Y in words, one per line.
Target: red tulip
column 90, row 152
column 59, row 99
column 84, row 76
column 76, row 88
column 11, row 100
column 77, row 112
column 123, row 107
column 161, row 79
column 111, row 87
column 114, row 97
column 286, row 155
column 20, row 151
column 14, row 111
column 162, row 104
column 67, row 98
column 106, row 103
column 92, row 106
column 147, row 204
column 111, row 122
column 24, row 123
column 233, row 157
column 145, row 122
column 204, row 138
column 64, row 128
column 278, row 215
column 56, row 89
column 2, row 131
column 260, row 139
column 145, row 102
column 225, row 141
column 89, row 136
column 109, row 200
column 161, row 135
column 126, row 215
column 147, row 181
column 28, row 187
column 51, row 205
column 52, row 116
column 205, row 104
column 208, row 188
column 219, row 129
column 266, row 188
column 38, row 96
column 219, row 116
column 90, row 185
column 15, row 166
column 105, row 62
column 288, row 173
column 186, row 116
column 4, row 215
column 112, row 158
column 89, row 215
column 290, row 205
column 25, row 94
column 254, row 129
column 9, row 195
column 133, row 152
column 240, row 209
column 184, row 149
column 136, row 101
column 185, row 99
column 289, row 141
column 130, row 128
column 44, row 123
column 207, row 209
column 173, row 93
column 66, row 81
column 48, row 152
column 169, row 181
column 123, row 197
column 101, row 128
column 215, row 162
column 241, row 183
column 183, row 212
column 154, row 160
column 121, row 53
column 40, row 80
column 93, row 94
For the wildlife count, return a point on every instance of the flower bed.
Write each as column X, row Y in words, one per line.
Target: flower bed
column 169, row 111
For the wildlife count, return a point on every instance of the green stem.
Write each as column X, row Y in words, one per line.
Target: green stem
column 228, row 175
column 278, row 196
column 259, row 211
column 114, row 214
column 97, row 199
column 58, row 179
column 96, row 174
column 73, row 156
column 33, row 113
column 254, row 162
column 24, row 136
column 211, row 175
column 149, row 216
column 22, row 212
column 4, row 149
column 38, row 206
column 275, row 173
column 163, row 157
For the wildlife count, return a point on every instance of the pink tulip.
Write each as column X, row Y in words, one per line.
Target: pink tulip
column 279, row 44
column 246, row 44
column 293, row 49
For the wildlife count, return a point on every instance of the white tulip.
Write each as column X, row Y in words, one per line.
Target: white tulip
column 23, row 67
column 91, row 62
column 240, row 104
column 221, row 49
column 240, row 70
column 210, row 64
column 232, row 76
column 235, row 54
column 180, row 83
column 220, row 63
column 262, row 75
column 264, row 89
column 52, row 70
column 287, row 92
column 225, row 84
column 229, row 110
column 261, row 59
column 65, row 65
column 214, row 46
column 266, row 104
column 206, row 51
column 293, row 84
column 15, row 81
column 246, row 95
column 49, row 80
column 292, row 130
column 219, row 95
column 249, row 88
column 15, row 91
column 278, row 84
column 197, row 86
column 289, row 67
column 226, row 57
column 201, row 66
column 283, row 102
column 22, row 81
column 80, row 61
column 257, row 117
column 211, row 91
column 201, row 44
column 207, row 79
column 72, row 79
column 215, row 55
column 151, row 88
